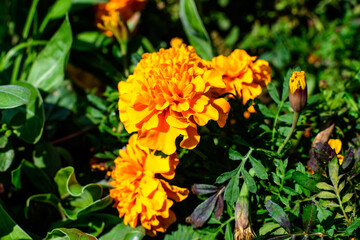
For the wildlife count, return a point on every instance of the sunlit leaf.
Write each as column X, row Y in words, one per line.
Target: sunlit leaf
column 12, row 96
column 122, row 231
column 9, row 230
column 334, row 171
column 259, row 169
column 195, row 29
column 47, row 72
column 68, row 233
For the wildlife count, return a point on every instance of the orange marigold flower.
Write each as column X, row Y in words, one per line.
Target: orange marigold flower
column 169, row 94
column 121, row 9
column 243, row 77
column 176, row 42
column 336, row 144
column 139, row 196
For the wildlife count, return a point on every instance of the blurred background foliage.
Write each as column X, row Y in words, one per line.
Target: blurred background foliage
column 75, row 122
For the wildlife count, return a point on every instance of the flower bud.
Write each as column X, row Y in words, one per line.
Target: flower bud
column 297, row 91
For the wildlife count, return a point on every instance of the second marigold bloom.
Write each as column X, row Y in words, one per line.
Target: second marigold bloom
column 169, row 94
column 243, row 77
column 297, row 91
column 140, row 196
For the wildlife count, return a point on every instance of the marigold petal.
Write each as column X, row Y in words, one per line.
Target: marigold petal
column 209, row 113
column 191, row 138
column 176, row 193
column 335, row 144
column 223, row 107
column 163, row 141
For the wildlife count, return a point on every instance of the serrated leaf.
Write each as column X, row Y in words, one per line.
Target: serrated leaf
column 334, row 171
column 232, row 190
column 47, row 72
column 323, row 213
column 249, row 180
column 68, row 233
column 195, row 30
column 326, row 195
column 265, row 111
column 122, row 231
column 268, row 227
column 341, row 186
column 226, row 175
column 309, row 217
column 347, row 197
column 324, row 186
column 259, row 169
column 228, row 232
column 12, row 96
column 9, row 230
column 273, row 93
column 352, row 227
column 305, row 181
column 31, row 131
column 182, row 233
column 235, row 155
column 278, row 214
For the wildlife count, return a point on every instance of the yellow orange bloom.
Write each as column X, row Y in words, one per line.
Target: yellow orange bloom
column 113, row 25
column 176, row 42
column 243, row 77
column 336, row 144
column 169, row 94
column 120, row 9
column 139, row 196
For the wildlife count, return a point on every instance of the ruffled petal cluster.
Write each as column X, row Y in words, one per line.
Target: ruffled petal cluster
column 244, row 77
column 140, row 196
column 170, row 93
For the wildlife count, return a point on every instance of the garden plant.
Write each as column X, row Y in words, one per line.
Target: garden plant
column 179, row 119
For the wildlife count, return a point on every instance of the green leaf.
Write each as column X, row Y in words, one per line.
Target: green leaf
column 273, row 93
column 232, row 190
column 46, row 158
column 9, row 230
column 249, row 180
column 305, row 181
column 6, row 158
column 323, row 213
column 347, row 197
column 324, row 186
column 309, row 217
column 59, row 9
column 352, row 227
column 259, row 169
column 195, row 30
column 122, row 231
column 32, row 130
column 265, row 111
column 227, row 175
column 68, row 233
column 12, row 96
column 88, row 1
column 228, row 232
column 334, row 171
column 278, row 214
column 47, row 72
column 182, row 233
column 326, row 195
column 268, row 227
column 235, row 155
column 33, row 174
column 81, row 199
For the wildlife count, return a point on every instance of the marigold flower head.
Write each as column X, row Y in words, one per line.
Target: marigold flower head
column 297, row 91
column 121, row 9
column 139, row 196
column 336, row 144
column 113, row 25
column 169, row 94
column 243, row 77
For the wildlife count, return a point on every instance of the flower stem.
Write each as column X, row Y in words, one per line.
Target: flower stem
column 295, row 119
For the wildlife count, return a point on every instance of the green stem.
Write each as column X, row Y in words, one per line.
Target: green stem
column 275, row 123
column 29, row 19
column 15, row 71
column 123, row 48
column 295, row 119
column 341, row 206
column 12, row 52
